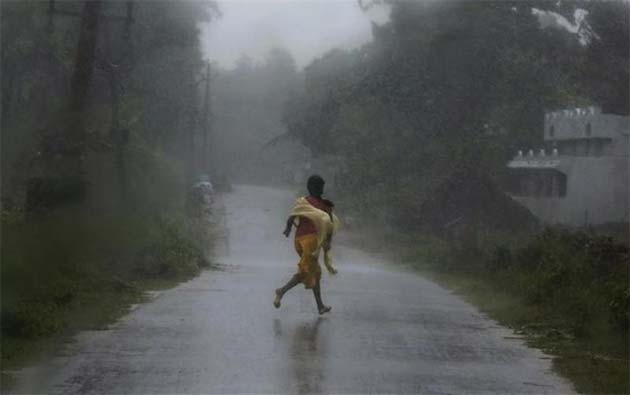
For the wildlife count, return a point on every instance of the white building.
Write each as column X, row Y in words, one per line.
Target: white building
column 582, row 175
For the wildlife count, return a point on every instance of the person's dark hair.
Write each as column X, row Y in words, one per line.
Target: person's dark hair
column 315, row 185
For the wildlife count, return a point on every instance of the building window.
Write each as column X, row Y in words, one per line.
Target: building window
column 561, row 180
column 600, row 148
column 538, row 184
column 582, row 147
column 568, row 148
column 588, row 129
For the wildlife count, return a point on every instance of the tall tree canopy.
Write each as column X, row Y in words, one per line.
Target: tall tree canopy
column 144, row 81
column 448, row 90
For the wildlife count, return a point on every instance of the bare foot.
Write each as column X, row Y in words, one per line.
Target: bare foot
column 276, row 301
column 324, row 309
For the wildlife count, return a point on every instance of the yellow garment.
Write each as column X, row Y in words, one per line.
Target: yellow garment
column 325, row 228
column 308, row 267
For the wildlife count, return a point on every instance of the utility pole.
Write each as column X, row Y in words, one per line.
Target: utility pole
column 192, row 122
column 207, row 120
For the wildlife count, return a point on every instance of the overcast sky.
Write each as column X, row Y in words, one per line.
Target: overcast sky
column 307, row 28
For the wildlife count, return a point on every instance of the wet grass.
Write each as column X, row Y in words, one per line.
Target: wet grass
column 71, row 272
column 560, row 296
column 94, row 311
column 596, row 363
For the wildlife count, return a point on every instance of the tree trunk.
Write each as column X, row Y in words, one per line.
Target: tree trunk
column 84, row 65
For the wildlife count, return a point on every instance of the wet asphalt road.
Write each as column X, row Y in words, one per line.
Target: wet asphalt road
column 389, row 331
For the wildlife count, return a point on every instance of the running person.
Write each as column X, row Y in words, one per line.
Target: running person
column 315, row 227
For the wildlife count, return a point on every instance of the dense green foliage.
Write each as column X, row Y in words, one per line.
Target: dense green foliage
column 54, row 264
column 76, row 248
column 424, row 119
column 144, row 81
column 566, row 290
column 575, row 276
column 446, row 93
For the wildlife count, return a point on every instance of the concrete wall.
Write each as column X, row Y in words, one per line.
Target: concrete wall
column 595, row 156
column 573, row 124
column 597, row 192
column 621, row 146
column 584, row 147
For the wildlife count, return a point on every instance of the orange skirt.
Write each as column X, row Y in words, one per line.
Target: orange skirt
column 308, row 267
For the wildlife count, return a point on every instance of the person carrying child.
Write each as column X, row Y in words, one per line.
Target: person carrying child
column 315, row 225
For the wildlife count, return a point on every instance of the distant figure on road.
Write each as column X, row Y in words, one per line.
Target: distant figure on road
column 315, row 226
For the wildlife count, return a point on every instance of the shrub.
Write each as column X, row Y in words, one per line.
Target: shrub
column 579, row 275
column 574, row 276
column 54, row 263
column 46, row 193
column 172, row 255
column 620, row 307
column 501, row 258
column 30, row 319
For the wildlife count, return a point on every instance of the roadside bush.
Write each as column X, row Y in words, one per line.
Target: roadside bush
column 45, row 193
column 501, row 258
column 172, row 255
column 575, row 278
column 620, row 307
column 568, row 291
column 56, row 263
column 30, row 319
column 574, row 275
column 431, row 251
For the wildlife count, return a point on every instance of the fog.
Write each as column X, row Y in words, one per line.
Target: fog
column 463, row 156
column 306, row 29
